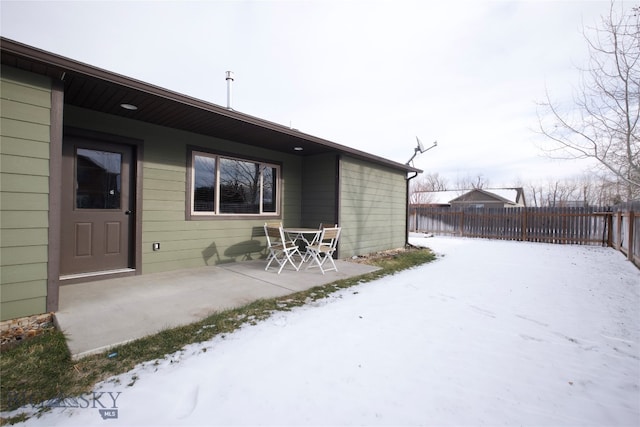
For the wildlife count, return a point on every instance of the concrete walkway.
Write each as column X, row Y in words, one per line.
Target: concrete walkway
column 104, row 313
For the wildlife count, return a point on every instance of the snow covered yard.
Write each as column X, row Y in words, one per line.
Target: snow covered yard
column 492, row 333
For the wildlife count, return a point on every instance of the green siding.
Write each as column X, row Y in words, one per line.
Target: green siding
column 26, row 130
column 164, row 185
column 21, row 254
column 23, row 219
column 23, row 307
column 372, row 207
column 195, row 243
column 18, row 110
column 166, row 205
column 25, row 89
column 25, row 114
column 25, row 166
column 24, row 272
column 16, row 183
column 17, row 202
column 24, row 237
column 23, row 290
column 24, row 147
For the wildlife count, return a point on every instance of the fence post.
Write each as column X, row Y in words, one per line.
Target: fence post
column 630, row 236
column 414, row 214
column 619, row 230
column 524, row 224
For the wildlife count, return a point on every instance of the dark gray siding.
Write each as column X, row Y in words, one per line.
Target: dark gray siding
column 319, row 190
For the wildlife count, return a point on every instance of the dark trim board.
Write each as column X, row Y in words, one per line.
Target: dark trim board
column 55, row 185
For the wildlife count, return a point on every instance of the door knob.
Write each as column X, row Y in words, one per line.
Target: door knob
column 129, row 212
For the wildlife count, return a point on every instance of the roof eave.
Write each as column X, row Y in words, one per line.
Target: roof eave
column 66, row 65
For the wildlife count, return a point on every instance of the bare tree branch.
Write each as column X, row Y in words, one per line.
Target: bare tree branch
column 602, row 123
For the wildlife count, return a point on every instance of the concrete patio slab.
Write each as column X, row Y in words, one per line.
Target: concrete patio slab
column 101, row 314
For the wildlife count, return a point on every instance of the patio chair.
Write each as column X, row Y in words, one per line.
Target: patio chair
column 281, row 250
column 316, row 238
column 323, row 249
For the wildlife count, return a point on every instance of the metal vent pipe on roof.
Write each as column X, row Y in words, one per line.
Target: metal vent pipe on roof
column 229, row 79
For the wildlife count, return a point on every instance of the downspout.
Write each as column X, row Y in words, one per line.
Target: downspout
column 338, row 201
column 406, row 216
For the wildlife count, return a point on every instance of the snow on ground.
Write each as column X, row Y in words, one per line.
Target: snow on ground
column 492, row 333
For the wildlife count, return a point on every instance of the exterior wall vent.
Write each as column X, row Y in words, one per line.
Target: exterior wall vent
column 229, row 79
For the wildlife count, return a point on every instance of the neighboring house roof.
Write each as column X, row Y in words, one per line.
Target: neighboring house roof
column 97, row 89
column 512, row 196
column 506, row 195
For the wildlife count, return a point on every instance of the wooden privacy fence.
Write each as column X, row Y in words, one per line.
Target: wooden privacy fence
column 618, row 227
column 625, row 230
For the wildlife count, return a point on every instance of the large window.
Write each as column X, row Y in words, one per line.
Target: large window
column 222, row 185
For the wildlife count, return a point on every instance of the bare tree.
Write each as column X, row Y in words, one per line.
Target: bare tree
column 602, row 123
column 426, row 183
column 434, row 182
column 585, row 190
column 469, row 182
column 534, row 195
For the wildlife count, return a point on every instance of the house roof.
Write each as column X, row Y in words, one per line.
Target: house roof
column 506, row 195
column 97, row 89
column 511, row 195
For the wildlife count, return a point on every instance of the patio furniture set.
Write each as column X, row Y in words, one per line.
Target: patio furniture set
column 309, row 245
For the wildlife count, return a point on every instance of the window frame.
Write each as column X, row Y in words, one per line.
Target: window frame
column 191, row 214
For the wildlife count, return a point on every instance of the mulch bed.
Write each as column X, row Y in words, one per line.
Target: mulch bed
column 15, row 331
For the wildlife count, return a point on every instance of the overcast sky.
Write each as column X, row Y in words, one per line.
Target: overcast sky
column 371, row 75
